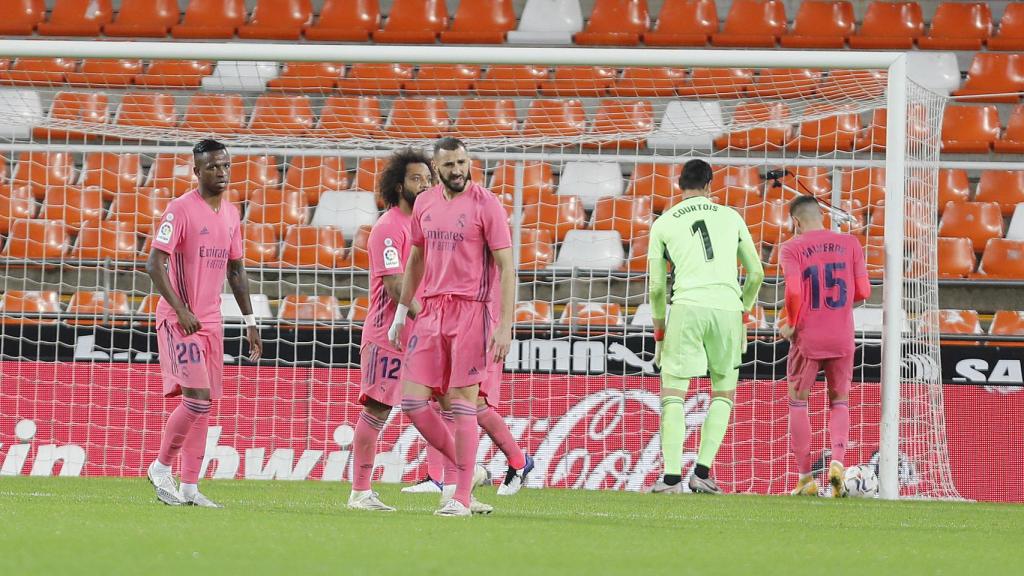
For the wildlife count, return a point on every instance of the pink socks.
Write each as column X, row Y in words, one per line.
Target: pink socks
column 839, row 429
column 467, row 439
column 800, row 435
column 495, row 426
column 178, row 426
column 364, row 449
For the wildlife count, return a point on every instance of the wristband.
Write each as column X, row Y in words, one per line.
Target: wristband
column 249, row 319
column 659, row 335
column 401, row 313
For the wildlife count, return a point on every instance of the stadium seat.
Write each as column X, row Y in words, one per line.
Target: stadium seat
column 107, row 240
column 105, row 73
column 15, row 202
column 591, row 250
column 821, row 25
column 538, row 180
column 1011, row 29
column 20, row 17
column 485, row 118
column 358, row 310
column 1003, row 259
column 863, row 186
column 147, row 110
column 969, row 129
column 557, row 214
column 979, row 221
column 994, row 77
column 277, row 207
column 579, row 81
column 111, row 172
column 309, row 308
column 480, row 22
column 620, row 119
column 314, row 246
column 1004, row 187
column 38, row 239
column 752, row 23
column 953, row 187
column 373, row 79
column 144, row 19
column 215, row 114
column 413, row 22
column 418, row 118
column 278, row 20
column 749, row 113
column 736, row 186
column 659, row 182
column 637, row 260
column 240, row 76
column 592, row 314
column 811, row 180
column 533, row 312
column 874, row 258
column 75, row 205
column 315, row 77
column 360, row 254
column 615, row 23
column 688, row 125
column 511, row 80
column 314, row 175
column 148, row 305
column 140, row 209
column 77, row 18
column 367, row 172
column 259, row 244
column 956, row 322
column 718, row 82
column 1015, row 231
column 175, row 73
column 97, row 306
column 956, row 257
column 350, row 117
column 1012, row 141
column 1007, row 323
column 768, row 222
column 590, row 180
column 642, row 82
column 37, row 71
column 893, row 25
column 250, row 174
column 548, row 22
column 630, row 216
column 345, row 21
column 23, row 307
column 684, row 23
column 958, row 26
column 847, row 85
column 873, row 136
column 829, row 134
column 281, row 115
column 536, row 249
column 40, row 170
column 232, row 314
column 76, row 107
column 554, row 120
column 346, row 211
column 211, row 19
column 785, row 83
column 443, row 79
column 172, row 172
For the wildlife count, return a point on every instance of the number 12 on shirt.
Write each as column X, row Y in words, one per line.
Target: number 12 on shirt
column 812, row 275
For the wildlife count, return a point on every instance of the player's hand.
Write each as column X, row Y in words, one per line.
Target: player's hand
column 188, row 322
column 657, row 352
column 501, row 340
column 395, row 332
column 786, row 331
column 252, row 334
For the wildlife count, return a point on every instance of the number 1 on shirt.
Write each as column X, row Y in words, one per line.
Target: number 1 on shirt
column 699, row 227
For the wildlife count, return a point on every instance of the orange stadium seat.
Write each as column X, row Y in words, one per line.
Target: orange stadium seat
column 828, row 134
column 748, row 113
column 953, row 186
column 958, row 26
column 278, row 20
column 15, row 202
column 768, row 222
column 345, row 21
column 175, row 73
column 995, row 77
column 79, row 107
column 640, row 82
column 844, row 85
column 105, row 73
column 39, row 239
column 979, row 221
column 874, row 258
column 281, row 115
column 172, row 172
column 619, row 119
column 889, row 25
column 277, row 207
column 111, row 172
column 971, row 129
column 1012, row 141
column 637, row 260
column 556, row 214
column 1011, row 29
column 40, row 170
column 106, row 240
column 630, row 216
column 480, row 22
column 442, row 79
column 511, row 80
column 77, row 18
column 211, row 19
column 75, row 205
column 359, row 309
column 314, row 175
column 876, row 230
column 718, row 82
column 873, row 136
column 592, row 314
column 533, row 312
column 615, row 23
column 98, row 304
column 144, row 18
column 375, row 79
column 865, row 186
column 149, row 109
column 538, row 180
column 20, row 17
column 38, row 71
column 536, row 249
column 811, row 180
column 259, row 244
column 418, row 118
column 756, row 319
column 785, row 83
column 360, row 248
column 350, row 117
column 148, row 305
column 957, row 322
column 309, row 308
column 1004, row 187
column 737, row 186
column 659, row 182
column 16, row 304
column 367, row 172
column 250, row 174
column 215, row 114
column 413, row 22
column 752, row 23
column 1003, row 259
column 1007, row 323
column 684, row 23
column 554, row 119
column 821, row 25
column 314, row 246
column 956, row 257
column 579, row 81
column 485, row 118
column 140, row 209
column 316, row 77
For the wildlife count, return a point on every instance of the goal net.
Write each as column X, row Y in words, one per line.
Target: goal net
column 584, row 149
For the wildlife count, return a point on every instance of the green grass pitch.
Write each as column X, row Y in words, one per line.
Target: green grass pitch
column 115, row 526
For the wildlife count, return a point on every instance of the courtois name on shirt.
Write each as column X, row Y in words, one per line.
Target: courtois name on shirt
column 683, row 210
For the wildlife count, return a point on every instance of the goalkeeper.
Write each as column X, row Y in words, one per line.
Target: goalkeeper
column 705, row 331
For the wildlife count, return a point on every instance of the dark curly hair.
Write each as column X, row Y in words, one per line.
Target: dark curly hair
column 393, row 174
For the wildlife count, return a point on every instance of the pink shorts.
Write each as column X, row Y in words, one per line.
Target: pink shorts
column 448, row 344
column 802, row 371
column 381, row 369
column 490, row 387
column 193, row 361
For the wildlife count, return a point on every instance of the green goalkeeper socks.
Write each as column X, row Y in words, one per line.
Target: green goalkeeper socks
column 713, row 430
column 673, row 428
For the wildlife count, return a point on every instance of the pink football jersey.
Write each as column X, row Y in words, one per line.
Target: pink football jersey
column 389, row 247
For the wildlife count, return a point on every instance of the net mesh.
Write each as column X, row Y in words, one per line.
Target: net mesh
column 583, row 158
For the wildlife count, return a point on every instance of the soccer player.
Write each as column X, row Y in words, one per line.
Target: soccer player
column 197, row 244
column 406, row 175
column 705, row 331
column 820, row 269
column 461, row 247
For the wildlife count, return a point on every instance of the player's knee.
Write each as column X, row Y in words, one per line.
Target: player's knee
column 466, row 394
column 196, row 393
column 796, row 394
column 727, row 394
column 376, row 409
column 837, row 396
column 413, row 390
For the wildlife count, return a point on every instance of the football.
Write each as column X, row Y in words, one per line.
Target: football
column 861, row 481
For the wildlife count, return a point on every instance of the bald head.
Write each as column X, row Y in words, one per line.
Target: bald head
column 806, row 214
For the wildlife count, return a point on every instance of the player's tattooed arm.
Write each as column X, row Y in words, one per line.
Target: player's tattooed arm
column 238, row 280
column 156, row 267
column 393, row 287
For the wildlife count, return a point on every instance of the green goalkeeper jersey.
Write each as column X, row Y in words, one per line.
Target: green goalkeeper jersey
column 703, row 240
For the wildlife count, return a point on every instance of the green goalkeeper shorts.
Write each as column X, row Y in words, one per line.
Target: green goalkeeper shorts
column 699, row 339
